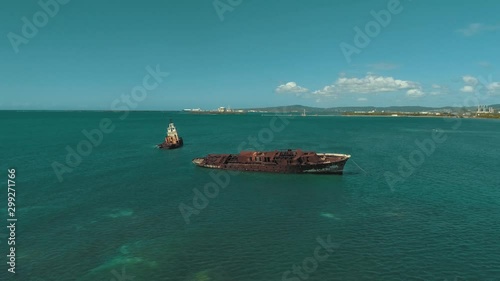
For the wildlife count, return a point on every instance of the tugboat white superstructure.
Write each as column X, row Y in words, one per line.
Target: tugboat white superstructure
column 172, row 139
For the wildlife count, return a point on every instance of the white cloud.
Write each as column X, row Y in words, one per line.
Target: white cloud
column 494, row 88
column 415, row 93
column 473, row 84
column 467, row 89
column 470, row 80
column 362, row 99
column 291, row 88
column 475, row 28
column 370, row 84
column 470, row 84
column 327, row 91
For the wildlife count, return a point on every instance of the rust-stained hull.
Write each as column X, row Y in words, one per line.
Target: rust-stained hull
column 293, row 162
column 166, row 145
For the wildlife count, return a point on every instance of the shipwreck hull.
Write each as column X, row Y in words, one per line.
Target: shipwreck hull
column 333, row 168
column 323, row 164
column 166, row 145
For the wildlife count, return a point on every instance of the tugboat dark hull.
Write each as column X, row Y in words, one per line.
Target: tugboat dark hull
column 166, row 145
column 290, row 162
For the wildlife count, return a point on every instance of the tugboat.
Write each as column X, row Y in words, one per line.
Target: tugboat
column 287, row 161
column 172, row 139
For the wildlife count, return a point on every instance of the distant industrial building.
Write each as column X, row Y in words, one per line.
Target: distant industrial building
column 482, row 109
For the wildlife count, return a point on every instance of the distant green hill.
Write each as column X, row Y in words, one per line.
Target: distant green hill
column 289, row 108
column 338, row 110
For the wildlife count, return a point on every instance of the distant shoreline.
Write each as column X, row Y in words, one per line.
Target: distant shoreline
column 422, row 116
column 294, row 114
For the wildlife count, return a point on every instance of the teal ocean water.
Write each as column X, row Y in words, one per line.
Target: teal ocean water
column 116, row 214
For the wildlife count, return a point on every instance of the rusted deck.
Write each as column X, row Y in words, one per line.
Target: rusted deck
column 288, row 161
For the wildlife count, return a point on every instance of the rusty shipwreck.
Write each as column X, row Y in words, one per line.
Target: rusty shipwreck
column 172, row 139
column 285, row 161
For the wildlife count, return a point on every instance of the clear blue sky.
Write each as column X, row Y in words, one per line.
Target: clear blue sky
column 263, row 53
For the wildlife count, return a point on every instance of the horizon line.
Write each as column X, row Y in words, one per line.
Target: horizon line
column 246, row 108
